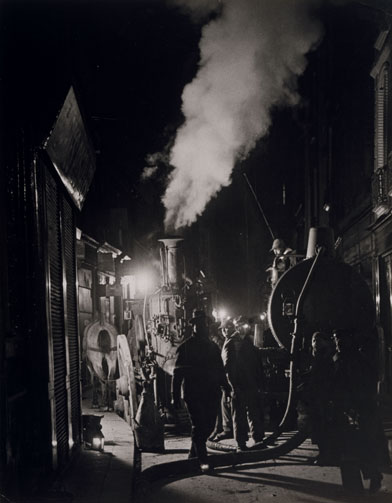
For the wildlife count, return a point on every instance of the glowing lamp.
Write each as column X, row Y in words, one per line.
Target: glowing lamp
column 92, row 434
column 262, row 316
column 144, row 281
column 222, row 313
column 98, row 441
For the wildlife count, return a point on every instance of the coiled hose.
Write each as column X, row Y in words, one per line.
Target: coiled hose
column 292, row 384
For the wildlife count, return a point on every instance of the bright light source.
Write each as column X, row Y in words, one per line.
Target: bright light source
column 98, row 443
column 262, row 316
column 144, row 281
column 222, row 313
column 246, row 325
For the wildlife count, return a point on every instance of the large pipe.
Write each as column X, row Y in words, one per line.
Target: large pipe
column 172, row 262
column 229, row 458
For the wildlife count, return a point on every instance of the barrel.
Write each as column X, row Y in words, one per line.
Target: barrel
column 336, row 297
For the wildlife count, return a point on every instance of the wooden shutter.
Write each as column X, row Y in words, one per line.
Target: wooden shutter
column 381, row 112
column 69, row 240
column 56, row 334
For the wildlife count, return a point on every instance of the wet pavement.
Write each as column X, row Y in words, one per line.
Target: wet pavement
column 289, row 479
column 104, row 477
column 112, row 477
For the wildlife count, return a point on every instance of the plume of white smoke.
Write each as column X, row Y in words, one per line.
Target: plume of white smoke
column 251, row 57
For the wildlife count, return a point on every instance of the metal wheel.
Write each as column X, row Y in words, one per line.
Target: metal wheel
column 126, row 386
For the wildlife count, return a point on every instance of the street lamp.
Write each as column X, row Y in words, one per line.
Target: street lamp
column 144, row 281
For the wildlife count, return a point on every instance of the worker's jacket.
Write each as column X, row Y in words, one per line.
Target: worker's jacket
column 198, row 368
column 243, row 364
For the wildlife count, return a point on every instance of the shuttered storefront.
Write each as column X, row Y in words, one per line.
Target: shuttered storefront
column 72, row 321
column 63, row 343
column 69, row 160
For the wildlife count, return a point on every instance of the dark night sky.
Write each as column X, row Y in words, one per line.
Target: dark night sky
column 129, row 62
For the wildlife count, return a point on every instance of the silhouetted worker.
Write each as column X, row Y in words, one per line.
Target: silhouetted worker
column 223, row 426
column 199, row 370
column 224, row 423
column 244, row 372
column 356, row 414
column 320, row 395
column 255, row 356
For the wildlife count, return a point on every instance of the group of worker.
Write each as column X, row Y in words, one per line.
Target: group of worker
column 223, row 391
column 220, row 387
column 346, row 423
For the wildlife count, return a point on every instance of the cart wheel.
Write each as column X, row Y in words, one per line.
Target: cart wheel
column 351, row 477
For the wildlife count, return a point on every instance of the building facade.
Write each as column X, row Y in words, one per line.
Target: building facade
column 349, row 177
column 44, row 186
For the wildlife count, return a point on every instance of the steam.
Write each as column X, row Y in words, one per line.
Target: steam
column 148, row 172
column 251, row 57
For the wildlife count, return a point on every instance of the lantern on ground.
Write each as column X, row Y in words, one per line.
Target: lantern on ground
column 92, row 434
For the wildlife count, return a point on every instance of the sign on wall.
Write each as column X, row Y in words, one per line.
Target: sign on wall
column 71, row 152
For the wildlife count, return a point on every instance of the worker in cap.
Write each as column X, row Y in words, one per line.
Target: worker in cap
column 244, row 373
column 197, row 315
column 321, row 343
column 199, row 319
column 282, row 260
column 227, row 324
column 319, row 387
column 224, row 424
column 278, row 246
column 243, row 326
column 199, row 372
column 356, row 417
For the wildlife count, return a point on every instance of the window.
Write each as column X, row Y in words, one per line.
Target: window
column 381, row 114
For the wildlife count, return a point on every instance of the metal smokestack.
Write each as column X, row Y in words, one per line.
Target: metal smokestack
column 320, row 236
column 172, row 261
